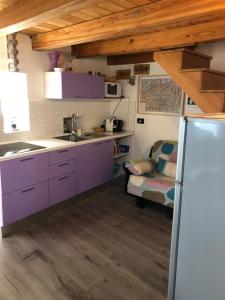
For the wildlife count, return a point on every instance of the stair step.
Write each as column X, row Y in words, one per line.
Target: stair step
column 191, row 59
column 203, row 70
column 211, row 79
column 190, row 80
column 185, row 50
column 212, row 91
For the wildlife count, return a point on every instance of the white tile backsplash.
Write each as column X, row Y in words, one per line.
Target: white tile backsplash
column 46, row 117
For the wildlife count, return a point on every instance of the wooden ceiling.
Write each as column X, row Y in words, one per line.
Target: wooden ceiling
column 86, row 13
column 100, row 27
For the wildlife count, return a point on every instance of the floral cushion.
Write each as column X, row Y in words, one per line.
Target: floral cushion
column 153, row 186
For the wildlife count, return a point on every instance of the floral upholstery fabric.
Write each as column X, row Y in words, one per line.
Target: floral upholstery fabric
column 155, row 186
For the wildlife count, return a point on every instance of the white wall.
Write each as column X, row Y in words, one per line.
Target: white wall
column 157, row 126
column 217, row 51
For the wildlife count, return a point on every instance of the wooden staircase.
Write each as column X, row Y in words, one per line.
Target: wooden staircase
column 191, row 71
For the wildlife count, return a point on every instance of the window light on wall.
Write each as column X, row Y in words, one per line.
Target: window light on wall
column 14, row 101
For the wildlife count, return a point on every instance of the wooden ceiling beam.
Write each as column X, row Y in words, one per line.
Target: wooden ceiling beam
column 26, row 13
column 173, row 38
column 149, row 17
column 131, row 58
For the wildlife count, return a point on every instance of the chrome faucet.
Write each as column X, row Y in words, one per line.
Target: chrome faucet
column 73, row 129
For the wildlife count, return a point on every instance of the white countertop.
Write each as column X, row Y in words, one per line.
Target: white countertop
column 52, row 144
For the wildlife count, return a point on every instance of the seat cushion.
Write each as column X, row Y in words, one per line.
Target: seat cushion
column 153, row 186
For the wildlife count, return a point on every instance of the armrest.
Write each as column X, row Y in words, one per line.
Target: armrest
column 139, row 167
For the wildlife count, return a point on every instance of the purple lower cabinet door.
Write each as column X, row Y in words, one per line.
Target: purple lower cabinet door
column 108, row 161
column 20, row 173
column 23, row 203
column 94, row 165
column 62, row 155
column 61, row 188
column 61, row 169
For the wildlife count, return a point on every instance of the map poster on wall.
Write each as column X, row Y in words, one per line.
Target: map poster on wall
column 160, row 95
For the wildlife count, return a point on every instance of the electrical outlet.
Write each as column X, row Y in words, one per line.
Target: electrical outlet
column 140, row 120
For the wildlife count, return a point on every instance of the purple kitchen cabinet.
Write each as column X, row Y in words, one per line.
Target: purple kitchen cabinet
column 23, row 203
column 75, row 85
column 23, row 172
column 61, row 168
column 94, row 165
column 98, row 87
column 61, row 188
column 61, row 156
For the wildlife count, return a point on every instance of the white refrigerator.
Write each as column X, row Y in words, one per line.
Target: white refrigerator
column 197, row 265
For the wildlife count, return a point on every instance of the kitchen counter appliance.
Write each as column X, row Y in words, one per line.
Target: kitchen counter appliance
column 113, row 125
column 17, row 148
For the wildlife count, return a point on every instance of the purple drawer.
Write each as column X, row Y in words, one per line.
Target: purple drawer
column 61, row 188
column 23, row 203
column 20, row 173
column 61, row 168
column 62, row 155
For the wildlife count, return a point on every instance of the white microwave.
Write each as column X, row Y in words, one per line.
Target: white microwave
column 113, row 90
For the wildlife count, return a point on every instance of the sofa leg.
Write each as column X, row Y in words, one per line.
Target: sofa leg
column 140, row 202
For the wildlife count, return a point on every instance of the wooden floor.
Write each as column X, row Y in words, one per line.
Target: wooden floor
column 100, row 247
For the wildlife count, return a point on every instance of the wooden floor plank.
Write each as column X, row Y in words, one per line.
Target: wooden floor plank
column 98, row 247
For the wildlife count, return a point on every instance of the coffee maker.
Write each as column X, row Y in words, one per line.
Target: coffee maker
column 113, row 125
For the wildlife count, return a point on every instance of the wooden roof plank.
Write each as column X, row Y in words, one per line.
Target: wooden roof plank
column 25, row 13
column 136, row 20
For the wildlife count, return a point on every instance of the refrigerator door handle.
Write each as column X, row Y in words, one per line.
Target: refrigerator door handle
column 178, row 182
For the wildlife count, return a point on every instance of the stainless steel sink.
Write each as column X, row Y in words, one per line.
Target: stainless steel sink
column 74, row 138
column 71, row 138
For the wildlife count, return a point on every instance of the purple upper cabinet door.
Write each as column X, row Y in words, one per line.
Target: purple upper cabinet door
column 23, row 203
column 23, row 172
column 98, row 87
column 76, row 85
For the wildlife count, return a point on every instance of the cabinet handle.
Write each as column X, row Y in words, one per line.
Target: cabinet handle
column 27, row 190
column 97, row 144
column 62, row 178
column 26, row 159
column 62, row 151
column 64, row 164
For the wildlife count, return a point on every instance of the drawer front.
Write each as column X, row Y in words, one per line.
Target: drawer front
column 24, row 172
column 25, row 202
column 61, row 188
column 62, row 155
column 61, row 168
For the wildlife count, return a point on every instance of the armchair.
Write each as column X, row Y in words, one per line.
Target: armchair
column 154, row 179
